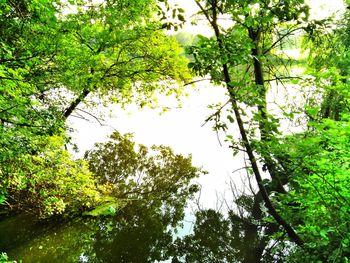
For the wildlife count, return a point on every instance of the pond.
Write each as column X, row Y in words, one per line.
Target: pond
column 131, row 237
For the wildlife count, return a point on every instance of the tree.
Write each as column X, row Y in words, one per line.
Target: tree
column 148, row 189
column 119, row 52
column 242, row 58
column 34, row 164
column 317, row 157
column 237, row 233
column 54, row 54
column 155, row 178
column 247, row 57
column 49, row 183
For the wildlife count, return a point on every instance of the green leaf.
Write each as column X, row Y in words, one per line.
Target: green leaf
column 107, row 209
column 181, row 17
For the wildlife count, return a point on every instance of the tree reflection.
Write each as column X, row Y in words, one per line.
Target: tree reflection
column 139, row 235
column 238, row 235
column 149, row 188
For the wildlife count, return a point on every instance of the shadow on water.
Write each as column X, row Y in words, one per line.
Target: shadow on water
column 130, row 237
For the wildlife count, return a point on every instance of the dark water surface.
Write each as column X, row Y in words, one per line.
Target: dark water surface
column 109, row 239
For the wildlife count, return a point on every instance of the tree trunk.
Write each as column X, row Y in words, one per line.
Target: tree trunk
column 212, row 18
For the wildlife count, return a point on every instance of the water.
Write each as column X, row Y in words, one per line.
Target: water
column 139, row 235
column 122, row 238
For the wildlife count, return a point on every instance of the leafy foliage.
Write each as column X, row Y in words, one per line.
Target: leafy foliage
column 53, row 54
column 306, row 184
column 48, row 182
column 138, row 196
column 243, row 58
column 4, row 258
column 154, row 177
column 318, row 161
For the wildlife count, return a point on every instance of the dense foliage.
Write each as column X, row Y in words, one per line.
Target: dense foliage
column 301, row 177
column 319, row 190
column 58, row 55
column 139, row 197
column 53, row 55
column 154, row 177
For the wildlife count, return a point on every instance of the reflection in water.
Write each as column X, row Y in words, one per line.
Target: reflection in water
column 138, row 239
column 23, row 237
column 134, row 236
column 150, row 187
column 137, row 234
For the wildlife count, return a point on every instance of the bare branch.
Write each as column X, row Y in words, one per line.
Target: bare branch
column 282, row 78
column 195, row 81
column 99, row 120
column 281, row 38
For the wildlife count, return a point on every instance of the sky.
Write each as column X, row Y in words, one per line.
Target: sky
column 181, row 128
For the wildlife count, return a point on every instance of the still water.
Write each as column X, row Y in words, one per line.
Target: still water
column 127, row 238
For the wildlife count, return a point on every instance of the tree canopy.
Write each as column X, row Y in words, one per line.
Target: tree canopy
column 250, row 58
column 58, row 55
column 54, row 54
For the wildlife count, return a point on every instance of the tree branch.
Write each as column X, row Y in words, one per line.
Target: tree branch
column 22, row 124
column 280, row 39
column 68, row 111
column 272, row 211
column 93, row 116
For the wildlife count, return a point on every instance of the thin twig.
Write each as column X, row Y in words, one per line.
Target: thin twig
column 215, row 113
column 195, row 81
column 99, row 120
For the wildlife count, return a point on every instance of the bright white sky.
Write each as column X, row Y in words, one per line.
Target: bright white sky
column 181, row 128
